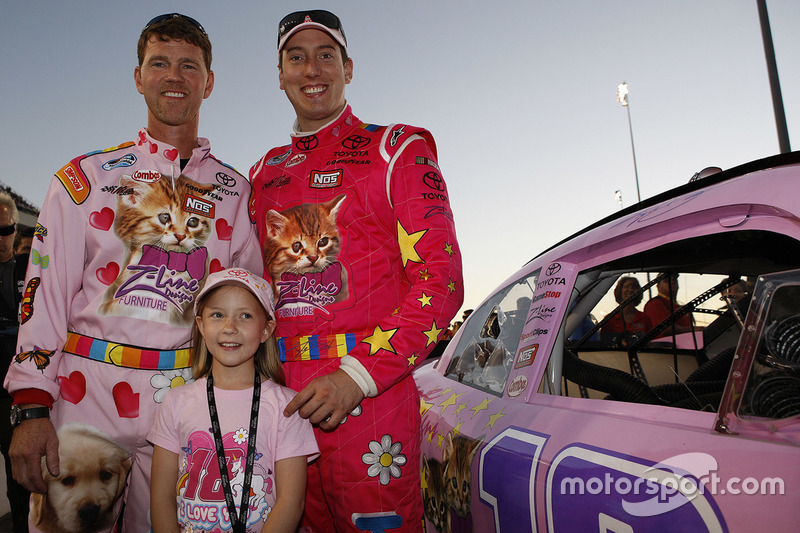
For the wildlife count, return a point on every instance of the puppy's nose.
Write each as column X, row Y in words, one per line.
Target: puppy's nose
column 88, row 513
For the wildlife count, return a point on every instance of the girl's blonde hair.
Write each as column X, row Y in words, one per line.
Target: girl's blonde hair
column 266, row 359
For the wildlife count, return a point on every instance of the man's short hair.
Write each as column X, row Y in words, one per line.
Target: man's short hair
column 177, row 28
column 8, row 201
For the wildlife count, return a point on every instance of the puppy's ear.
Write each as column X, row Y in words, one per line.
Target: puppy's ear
column 37, row 508
column 124, row 468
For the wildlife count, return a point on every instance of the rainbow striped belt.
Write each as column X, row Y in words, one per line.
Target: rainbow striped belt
column 315, row 347
column 125, row 355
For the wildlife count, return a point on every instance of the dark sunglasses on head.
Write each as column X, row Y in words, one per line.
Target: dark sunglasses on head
column 320, row 16
column 5, row 231
column 166, row 16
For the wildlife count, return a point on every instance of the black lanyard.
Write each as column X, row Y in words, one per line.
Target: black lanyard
column 238, row 523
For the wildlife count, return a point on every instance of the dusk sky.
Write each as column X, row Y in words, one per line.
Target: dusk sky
column 520, row 95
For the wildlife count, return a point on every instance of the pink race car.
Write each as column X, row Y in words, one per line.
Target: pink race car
column 642, row 375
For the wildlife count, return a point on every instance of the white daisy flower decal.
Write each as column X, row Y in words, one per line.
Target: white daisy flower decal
column 385, row 460
column 240, row 436
column 169, row 379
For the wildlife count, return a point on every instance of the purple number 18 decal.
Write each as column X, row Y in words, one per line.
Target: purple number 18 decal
column 508, row 478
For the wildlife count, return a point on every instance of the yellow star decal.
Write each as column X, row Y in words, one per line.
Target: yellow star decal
column 457, row 429
column 433, row 334
column 380, row 339
column 481, row 406
column 424, row 275
column 423, row 479
column 430, row 435
column 424, row 406
column 452, row 286
column 451, row 400
column 494, row 418
column 425, row 300
column 441, row 439
column 407, row 243
column 412, row 360
column 448, row 247
column 461, row 407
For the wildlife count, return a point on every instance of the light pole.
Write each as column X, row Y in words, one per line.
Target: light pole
column 774, row 82
column 622, row 98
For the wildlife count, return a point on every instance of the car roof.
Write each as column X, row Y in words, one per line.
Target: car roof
column 775, row 161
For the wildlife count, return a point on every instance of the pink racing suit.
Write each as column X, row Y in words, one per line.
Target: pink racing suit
column 124, row 241
column 360, row 244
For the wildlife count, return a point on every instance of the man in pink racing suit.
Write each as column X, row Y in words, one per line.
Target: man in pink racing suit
column 124, row 242
column 360, row 245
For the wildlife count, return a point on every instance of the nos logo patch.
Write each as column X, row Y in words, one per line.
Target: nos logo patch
column 324, row 180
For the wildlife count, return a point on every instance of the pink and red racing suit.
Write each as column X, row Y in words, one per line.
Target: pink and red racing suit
column 124, row 241
column 361, row 247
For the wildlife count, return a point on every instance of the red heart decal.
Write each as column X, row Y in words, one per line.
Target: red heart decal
column 73, row 388
column 171, row 154
column 102, row 219
column 126, row 400
column 224, row 230
column 153, row 148
column 215, row 266
column 108, row 274
column 142, row 138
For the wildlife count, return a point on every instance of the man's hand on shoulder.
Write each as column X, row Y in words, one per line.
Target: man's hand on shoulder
column 327, row 400
column 31, row 440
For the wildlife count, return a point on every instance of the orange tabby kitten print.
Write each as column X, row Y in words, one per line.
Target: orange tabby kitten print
column 165, row 255
column 300, row 251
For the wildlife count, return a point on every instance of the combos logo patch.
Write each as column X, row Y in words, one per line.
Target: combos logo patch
column 198, row 206
column 325, row 180
column 146, row 176
column 517, row 386
column 526, row 356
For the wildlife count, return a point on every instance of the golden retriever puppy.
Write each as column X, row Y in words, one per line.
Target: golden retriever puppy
column 93, row 472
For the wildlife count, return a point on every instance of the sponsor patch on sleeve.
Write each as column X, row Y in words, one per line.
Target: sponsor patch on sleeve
column 74, row 181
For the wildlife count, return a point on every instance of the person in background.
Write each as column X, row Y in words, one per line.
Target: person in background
column 23, row 240
column 12, row 279
column 360, row 245
column 665, row 303
column 126, row 238
column 629, row 321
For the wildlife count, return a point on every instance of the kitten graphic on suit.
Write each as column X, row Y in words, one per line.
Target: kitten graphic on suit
column 304, row 239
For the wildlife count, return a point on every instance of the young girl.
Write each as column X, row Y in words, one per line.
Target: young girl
column 231, row 415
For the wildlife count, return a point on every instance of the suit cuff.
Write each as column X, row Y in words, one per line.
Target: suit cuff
column 356, row 370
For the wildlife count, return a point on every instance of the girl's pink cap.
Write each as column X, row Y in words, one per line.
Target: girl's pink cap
column 257, row 285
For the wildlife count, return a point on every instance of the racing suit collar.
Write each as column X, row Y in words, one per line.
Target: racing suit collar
column 346, row 111
column 168, row 154
column 331, row 133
